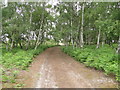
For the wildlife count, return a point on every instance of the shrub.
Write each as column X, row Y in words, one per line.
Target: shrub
column 103, row 58
column 17, row 59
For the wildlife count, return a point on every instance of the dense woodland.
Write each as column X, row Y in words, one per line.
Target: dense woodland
column 76, row 25
column 31, row 24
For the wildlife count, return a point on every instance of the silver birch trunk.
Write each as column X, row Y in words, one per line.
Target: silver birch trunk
column 98, row 39
column 72, row 33
column 39, row 33
column 81, row 32
column 11, row 46
column 103, row 41
column 118, row 49
column 7, row 46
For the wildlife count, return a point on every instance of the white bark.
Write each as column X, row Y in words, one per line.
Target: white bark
column 7, row 46
column 39, row 33
column 11, row 46
column 71, row 30
column 81, row 32
column 118, row 49
column 30, row 18
column 103, row 41
column 98, row 39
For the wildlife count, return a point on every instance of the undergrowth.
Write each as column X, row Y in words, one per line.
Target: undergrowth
column 104, row 58
column 17, row 59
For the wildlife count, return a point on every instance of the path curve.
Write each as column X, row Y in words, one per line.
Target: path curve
column 55, row 69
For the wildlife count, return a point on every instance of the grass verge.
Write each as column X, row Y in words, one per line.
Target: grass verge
column 15, row 60
column 104, row 58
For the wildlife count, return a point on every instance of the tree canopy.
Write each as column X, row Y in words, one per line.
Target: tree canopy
column 73, row 23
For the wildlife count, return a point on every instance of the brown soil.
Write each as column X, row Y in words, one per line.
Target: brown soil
column 55, row 69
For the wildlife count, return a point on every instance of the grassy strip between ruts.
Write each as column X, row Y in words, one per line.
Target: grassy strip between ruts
column 104, row 58
column 15, row 60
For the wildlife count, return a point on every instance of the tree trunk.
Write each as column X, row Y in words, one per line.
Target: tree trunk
column 98, row 39
column 27, row 44
column 118, row 49
column 72, row 42
column 39, row 33
column 103, row 40
column 30, row 18
column 81, row 32
column 20, row 45
column 7, row 46
column 11, row 46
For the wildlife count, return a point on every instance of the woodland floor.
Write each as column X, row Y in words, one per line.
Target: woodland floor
column 55, row 69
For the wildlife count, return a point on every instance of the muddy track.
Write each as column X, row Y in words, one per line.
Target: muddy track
column 55, row 69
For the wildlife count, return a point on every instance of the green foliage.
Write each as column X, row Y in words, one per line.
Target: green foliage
column 29, row 24
column 17, row 59
column 9, row 79
column 20, row 58
column 19, row 85
column 103, row 58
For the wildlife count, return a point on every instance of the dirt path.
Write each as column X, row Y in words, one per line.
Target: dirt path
column 55, row 69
